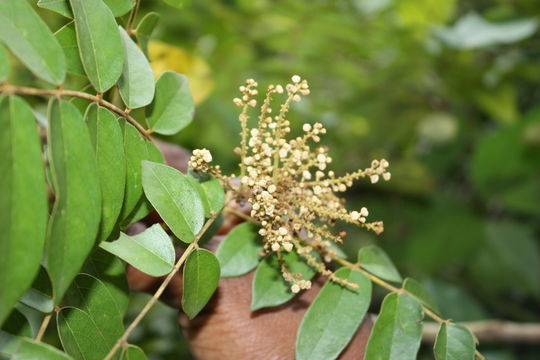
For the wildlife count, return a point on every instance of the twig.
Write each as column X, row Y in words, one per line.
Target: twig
column 132, row 16
column 493, row 331
column 43, row 327
column 123, row 339
column 25, row 90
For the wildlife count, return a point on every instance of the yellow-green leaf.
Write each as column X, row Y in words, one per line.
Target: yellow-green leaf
column 30, row 350
column 29, row 38
column 145, row 28
column 4, row 64
column 23, row 201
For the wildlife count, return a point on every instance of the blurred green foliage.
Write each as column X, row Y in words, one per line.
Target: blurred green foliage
column 447, row 90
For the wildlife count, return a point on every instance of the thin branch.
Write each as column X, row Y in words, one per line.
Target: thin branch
column 25, row 90
column 123, row 339
column 132, row 16
column 43, row 327
column 493, row 331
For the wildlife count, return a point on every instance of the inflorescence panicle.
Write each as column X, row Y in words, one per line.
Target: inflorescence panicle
column 285, row 179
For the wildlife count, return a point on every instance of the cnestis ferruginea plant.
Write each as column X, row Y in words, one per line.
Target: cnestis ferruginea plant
column 296, row 205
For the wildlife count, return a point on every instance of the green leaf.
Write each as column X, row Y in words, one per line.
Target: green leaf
column 374, row 259
column 134, row 353
column 80, row 336
column 68, row 40
column 179, row 4
column 238, row 253
column 135, row 150
column 92, row 296
column 111, row 272
column 4, row 64
column 173, row 107
column 201, row 277
column 416, row 290
column 118, row 7
column 106, row 136
column 175, row 199
column 31, row 350
column 99, row 42
column 29, row 38
column 144, row 207
column 136, row 85
column 269, row 287
column 71, row 236
column 60, row 6
column 514, row 248
column 454, row 342
column 23, row 201
column 151, row 251
column 40, row 295
column 214, row 195
column 17, row 324
column 333, row 318
column 397, row 332
column 145, row 29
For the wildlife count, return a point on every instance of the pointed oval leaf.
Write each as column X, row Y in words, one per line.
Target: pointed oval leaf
column 99, row 42
column 134, row 353
column 175, row 199
column 80, row 336
column 173, row 107
column 201, row 277
column 151, row 251
column 23, row 201
column 70, row 236
column 136, row 85
column 145, row 29
column 30, row 350
column 397, row 332
column 135, row 150
column 374, row 259
column 333, row 317
column 4, row 64
column 214, row 195
column 416, row 290
column 68, row 40
column 111, row 272
column 118, row 7
column 454, row 342
column 144, row 207
column 238, row 253
column 59, row 6
column 106, row 136
column 29, row 38
column 269, row 288
column 91, row 295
